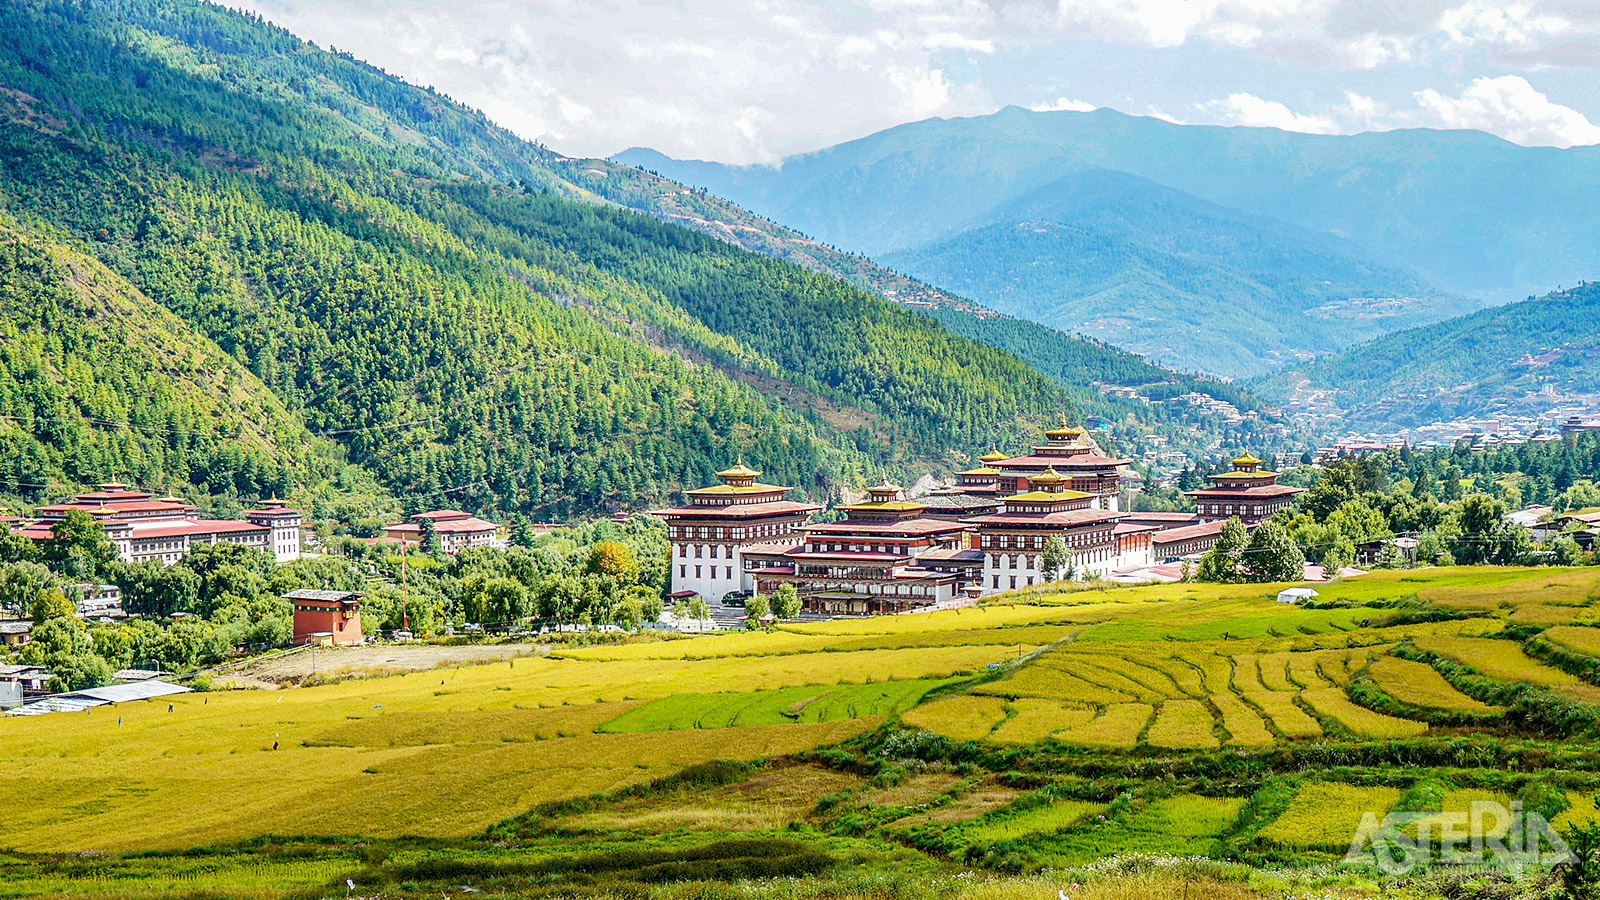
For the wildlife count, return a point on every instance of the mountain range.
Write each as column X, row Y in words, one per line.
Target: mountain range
column 1329, row 240
column 1521, row 359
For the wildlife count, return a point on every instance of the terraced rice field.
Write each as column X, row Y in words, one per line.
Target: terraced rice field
column 1332, row 703
column 1289, row 719
column 1038, row 820
column 814, row 703
column 1172, row 669
column 1033, row 720
column 1503, row 660
column 1183, row 825
column 1420, row 684
column 960, row 718
column 1182, row 725
column 1581, row 639
column 1118, row 726
column 1244, row 725
column 1325, row 815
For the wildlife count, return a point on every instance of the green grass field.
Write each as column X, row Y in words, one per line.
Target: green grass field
column 814, row 703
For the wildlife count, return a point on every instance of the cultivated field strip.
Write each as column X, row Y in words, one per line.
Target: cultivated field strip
column 1421, row 685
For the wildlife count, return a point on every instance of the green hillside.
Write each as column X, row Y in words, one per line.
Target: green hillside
column 413, row 282
column 1187, row 283
column 1490, row 361
column 98, row 382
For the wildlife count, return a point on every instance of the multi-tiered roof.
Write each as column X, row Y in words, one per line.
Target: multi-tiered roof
column 739, row 496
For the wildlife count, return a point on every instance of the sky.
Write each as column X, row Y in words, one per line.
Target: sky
column 752, row 81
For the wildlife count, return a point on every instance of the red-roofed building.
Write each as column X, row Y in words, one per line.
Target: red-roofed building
column 1248, row 492
column 886, row 556
column 147, row 529
column 457, row 530
column 711, row 532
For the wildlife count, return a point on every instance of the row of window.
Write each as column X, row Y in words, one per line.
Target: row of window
column 683, row 571
column 724, row 532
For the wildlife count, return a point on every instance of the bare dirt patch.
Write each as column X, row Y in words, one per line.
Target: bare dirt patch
column 382, row 659
column 985, row 796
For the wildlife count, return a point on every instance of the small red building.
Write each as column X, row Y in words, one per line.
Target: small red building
column 332, row 617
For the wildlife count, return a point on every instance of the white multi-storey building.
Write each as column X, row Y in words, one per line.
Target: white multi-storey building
column 709, row 534
column 144, row 528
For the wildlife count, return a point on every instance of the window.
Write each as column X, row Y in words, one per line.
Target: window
column 697, row 571
column 683, row 571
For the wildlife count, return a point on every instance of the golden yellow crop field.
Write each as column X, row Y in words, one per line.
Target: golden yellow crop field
column 1502, row 660
column 446, row 753
column 1323, row 815
column 1422, row 685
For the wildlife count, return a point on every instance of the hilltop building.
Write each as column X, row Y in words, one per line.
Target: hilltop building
column 457, row 531
column 145, row 528
column 710, row 535
column 1248, row 492
column 886, row 556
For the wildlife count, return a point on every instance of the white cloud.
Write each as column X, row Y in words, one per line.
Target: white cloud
column 1063, row 104
column 1510, row 107
column 1248, row 109
column 743, row 81
column 1514, row 26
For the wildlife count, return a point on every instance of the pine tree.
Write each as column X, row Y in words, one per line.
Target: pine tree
column 521, row 531
column 430, row 540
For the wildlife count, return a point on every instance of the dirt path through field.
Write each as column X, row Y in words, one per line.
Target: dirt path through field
column 273, row 673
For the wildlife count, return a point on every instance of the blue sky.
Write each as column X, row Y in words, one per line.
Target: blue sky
column 747, row 81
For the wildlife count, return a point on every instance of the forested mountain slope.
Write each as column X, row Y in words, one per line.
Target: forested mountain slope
column 100, row 383
column 1184, row 282
column 1522, row 357
column 342, row 234
column 1073, row 363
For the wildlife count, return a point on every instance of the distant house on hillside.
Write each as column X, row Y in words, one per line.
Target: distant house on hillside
column 15, row 632
column 457, row 530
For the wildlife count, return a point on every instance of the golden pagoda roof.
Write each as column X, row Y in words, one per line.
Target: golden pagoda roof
column 1047, row 496
column 981, row 470
column 889, row 505
column 1064, row 431
column 1246, row 459
column 885, row 486
column 717, row 489
column 739, row 471
column 1048, row 476
column 992, row 456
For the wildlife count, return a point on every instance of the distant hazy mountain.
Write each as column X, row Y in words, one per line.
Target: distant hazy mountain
column 1465, row 212
column 1160, row 272
column 1523, row 357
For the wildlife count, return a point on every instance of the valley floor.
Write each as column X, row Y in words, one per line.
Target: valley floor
column 1130, row 740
